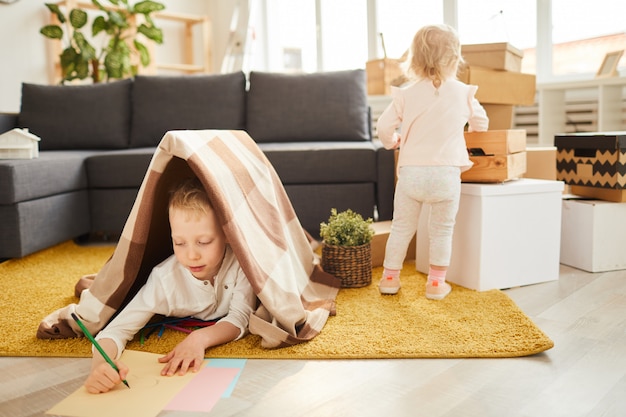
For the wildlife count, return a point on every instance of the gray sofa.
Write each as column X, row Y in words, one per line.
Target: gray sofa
column 97, row 141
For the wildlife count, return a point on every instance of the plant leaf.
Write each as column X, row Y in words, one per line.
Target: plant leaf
column 117, row 61
column 52, row 32
column 147, row 7
column 152, row 33
column 149, row 22
column 144, row 53
column 85, row 50
column 117, row 19
column 99, row 5
column 78, row 18
column 113, row 64
column 82, row 69
column 98, row 25
column 54, row 8
column 67, row 57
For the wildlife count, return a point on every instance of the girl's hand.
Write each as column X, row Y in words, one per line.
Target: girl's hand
column 188, row 354
column 103, row 378
column 398, row 141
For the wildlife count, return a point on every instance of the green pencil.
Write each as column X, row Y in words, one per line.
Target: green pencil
column 97, row 345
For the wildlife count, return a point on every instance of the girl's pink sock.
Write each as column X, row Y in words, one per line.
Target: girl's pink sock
column 436, row 275
column 393, row 273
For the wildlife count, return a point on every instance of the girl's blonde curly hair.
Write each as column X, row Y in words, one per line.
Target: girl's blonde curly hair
column 435, row 53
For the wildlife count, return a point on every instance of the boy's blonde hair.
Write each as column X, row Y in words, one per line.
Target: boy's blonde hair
column 435, row 53
column 190, row 195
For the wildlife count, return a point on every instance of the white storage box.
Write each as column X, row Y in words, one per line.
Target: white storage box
column 506, row 235
column 593, row 235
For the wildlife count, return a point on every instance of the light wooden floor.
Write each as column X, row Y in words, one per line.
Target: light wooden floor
column 583, row 375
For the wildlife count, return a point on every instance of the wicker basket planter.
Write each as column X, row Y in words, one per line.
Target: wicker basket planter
column 351, row 264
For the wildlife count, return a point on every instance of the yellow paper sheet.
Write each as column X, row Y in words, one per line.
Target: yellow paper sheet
column 148, row 394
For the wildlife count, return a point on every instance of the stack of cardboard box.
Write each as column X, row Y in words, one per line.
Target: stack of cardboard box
column 496, row 69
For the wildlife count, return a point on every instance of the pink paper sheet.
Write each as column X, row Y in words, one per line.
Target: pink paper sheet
column 204, row 390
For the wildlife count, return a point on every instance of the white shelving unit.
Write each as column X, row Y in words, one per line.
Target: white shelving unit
column 559, row 104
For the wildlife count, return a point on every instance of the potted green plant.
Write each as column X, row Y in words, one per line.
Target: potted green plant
column 123, row 50
column 346, row 247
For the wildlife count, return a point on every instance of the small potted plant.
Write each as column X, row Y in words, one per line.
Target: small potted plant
column 346, row 248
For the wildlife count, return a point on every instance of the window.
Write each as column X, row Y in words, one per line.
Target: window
column 512, row 21
column 290, row 36
column 398, row 20
column 339, row 40
column 343, row 29
column 584, row 32
column 326, row 35
column 297, row 42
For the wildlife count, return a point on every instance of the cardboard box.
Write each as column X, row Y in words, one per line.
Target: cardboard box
column 497, row 142
column 593, row 235
column 500, row 115
column 496, row 168
column 500, row 87
column 382, row 74
column 607, row 194
column 541, row 162
column 592, row 159
column 506, row 235
column 498, row 155
column 500, row 56
column 379, row 242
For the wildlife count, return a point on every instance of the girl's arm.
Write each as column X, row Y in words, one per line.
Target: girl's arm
column 390, row 120
column 478, row 121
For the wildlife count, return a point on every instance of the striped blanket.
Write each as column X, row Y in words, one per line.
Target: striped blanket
column 296, row 296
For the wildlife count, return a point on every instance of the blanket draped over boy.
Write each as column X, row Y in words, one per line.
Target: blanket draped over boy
column 296, row 296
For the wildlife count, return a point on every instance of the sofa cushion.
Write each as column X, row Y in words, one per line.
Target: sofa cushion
column 163, row 103
column 53, row 172
column 123, row 168
column 313, row 202
column 322, row 162
column 327, row 106
column 95, row 116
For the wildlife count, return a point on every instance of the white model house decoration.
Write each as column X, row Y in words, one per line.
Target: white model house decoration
column 19, row 144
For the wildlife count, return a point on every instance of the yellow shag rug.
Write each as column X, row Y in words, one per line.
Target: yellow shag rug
column 467, row 324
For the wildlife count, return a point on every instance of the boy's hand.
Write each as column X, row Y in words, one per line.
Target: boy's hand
column 103, row 378
column 187, row 355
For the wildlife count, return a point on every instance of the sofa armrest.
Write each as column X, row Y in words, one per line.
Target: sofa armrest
column 8, row 121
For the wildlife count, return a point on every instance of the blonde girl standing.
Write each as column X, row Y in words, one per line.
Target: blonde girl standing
column 431, row 114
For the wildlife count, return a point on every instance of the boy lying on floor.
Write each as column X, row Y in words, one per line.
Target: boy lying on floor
column 202, row 279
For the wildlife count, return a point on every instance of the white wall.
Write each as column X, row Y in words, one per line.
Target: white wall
column 25, row 53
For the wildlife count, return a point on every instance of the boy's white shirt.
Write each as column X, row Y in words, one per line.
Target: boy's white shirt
column 171, row 290
column 432, row 123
